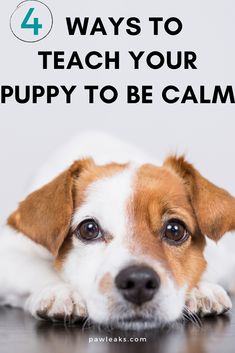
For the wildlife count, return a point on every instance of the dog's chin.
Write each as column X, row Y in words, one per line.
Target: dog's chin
column 135, row 323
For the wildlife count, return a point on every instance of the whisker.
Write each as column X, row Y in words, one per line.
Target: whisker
column 86, row 322
column 192, row 317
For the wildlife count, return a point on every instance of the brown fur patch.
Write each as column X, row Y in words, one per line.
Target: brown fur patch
column 45, row 215
column 214, row 207
column 177, row 190
column 63, row 251
column 160, row 195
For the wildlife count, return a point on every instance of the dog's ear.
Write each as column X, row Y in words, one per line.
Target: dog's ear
column 213, row 206
column 45, row 215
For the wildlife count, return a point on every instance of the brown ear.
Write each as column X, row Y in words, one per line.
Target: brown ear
column 213, row 206
column 45, row 215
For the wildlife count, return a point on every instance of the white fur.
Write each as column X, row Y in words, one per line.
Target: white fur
column 221, row 261
column 27, row 277
column 25, row 267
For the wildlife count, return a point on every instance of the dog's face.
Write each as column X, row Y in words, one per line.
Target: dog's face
column 129, row 238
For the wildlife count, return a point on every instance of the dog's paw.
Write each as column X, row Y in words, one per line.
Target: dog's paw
column 57, row 303
column 208, row 299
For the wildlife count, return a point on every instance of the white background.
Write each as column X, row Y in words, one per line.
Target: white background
column 206, row 133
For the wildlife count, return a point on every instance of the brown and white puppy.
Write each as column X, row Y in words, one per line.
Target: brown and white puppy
column 121, row 243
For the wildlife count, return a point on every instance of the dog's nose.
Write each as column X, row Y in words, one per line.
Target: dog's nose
column 138, row 284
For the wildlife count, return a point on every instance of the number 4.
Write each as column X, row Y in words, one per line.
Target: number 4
column 35, row 25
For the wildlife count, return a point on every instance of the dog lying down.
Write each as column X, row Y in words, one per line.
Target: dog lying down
column 118, row 238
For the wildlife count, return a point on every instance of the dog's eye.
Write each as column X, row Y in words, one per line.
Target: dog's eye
column 175, row 232
column 88, row 230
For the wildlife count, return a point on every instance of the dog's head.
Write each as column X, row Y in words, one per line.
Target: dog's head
column 129, row 238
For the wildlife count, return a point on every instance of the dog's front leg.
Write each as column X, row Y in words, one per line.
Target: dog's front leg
column 28, row 280
column 208, row 299
column 57, row 302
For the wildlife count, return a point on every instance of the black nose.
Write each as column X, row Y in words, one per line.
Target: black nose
column 138, row 284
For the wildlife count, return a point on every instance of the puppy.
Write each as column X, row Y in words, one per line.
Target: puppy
column 126, row 244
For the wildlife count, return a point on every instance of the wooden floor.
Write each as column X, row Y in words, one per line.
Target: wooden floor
column 22, row 334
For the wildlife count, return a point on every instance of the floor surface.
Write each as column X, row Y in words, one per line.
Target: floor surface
column 23, row 334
